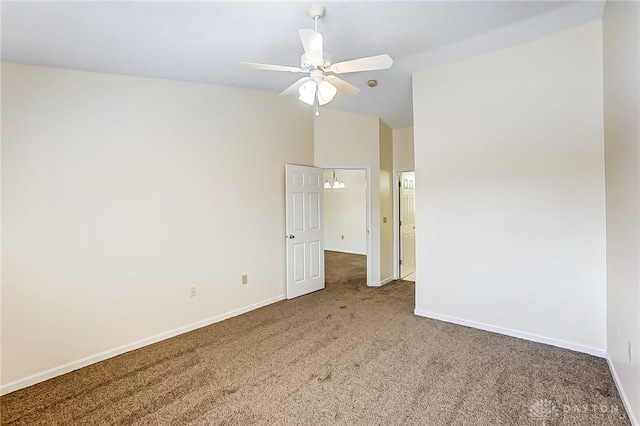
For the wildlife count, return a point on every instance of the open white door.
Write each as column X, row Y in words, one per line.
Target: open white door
column 407, row 224
column 305, row 234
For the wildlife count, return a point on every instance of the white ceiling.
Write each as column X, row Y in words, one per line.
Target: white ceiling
column 206, row 41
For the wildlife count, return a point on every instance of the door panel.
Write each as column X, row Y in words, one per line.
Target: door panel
column 314, row 212
column 298, row 263
column 314, row 259
column 298, row 211
column 304, row 225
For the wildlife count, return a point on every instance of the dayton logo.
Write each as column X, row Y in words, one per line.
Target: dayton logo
column 544, row 410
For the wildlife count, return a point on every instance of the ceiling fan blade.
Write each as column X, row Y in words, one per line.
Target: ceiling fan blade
column 312, row 44
column 268, row 67
column 342, row 86
column 293, row 89
column 380, row 62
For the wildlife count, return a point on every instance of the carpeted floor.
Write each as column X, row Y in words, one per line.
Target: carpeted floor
column 347, row 355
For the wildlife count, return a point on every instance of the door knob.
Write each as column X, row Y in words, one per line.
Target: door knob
column 291, row 236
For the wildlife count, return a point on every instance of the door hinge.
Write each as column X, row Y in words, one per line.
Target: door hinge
column 401, row 261
column 399, row 184
column 400, row 223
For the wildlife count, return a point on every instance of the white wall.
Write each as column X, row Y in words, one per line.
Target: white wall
column 345, row 212
column 621, row 26
column 121, row 193
column 403, row 149
column 510, row 191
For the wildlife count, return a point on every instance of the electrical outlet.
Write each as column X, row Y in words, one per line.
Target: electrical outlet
column 192, row 292
column 630, row 349
column 245, row 279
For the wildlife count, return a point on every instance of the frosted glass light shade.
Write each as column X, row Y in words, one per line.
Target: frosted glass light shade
column 308, row 92
column 322, row 101
column 326, row 92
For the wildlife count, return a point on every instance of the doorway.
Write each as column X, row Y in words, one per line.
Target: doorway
column 346, row 214
column 407, row 233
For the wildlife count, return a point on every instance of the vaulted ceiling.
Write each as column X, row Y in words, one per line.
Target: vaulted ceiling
column 206, row 41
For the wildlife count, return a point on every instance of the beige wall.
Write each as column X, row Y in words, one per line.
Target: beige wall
column 386, row 202
column 510, row 191
column 345, row 212
column 119, row 194
column 621, row 24
column 403, row 149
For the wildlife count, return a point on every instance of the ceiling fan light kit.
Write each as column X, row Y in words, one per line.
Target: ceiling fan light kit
column 319, row 88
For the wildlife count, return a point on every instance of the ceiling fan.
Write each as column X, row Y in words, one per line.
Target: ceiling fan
column 319, row 88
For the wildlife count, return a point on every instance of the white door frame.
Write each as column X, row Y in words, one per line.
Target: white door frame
column 367, row 171
column 396, row 220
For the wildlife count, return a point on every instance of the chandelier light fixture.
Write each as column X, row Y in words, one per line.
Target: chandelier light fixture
column 334, row 183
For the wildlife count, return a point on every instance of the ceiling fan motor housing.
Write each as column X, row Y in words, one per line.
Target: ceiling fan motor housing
column 326, row 62
column 316, row 75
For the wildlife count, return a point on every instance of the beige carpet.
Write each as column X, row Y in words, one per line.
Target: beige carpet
column 345, row 355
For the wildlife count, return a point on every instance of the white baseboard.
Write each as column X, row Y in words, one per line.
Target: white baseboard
column 514, row 333
column 381, row 283
column 346, row 251
column 75, row 365
column 387, row 280
column 623, row 395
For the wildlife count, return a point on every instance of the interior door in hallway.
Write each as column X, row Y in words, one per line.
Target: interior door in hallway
column 407, row 224
column 304, row 227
